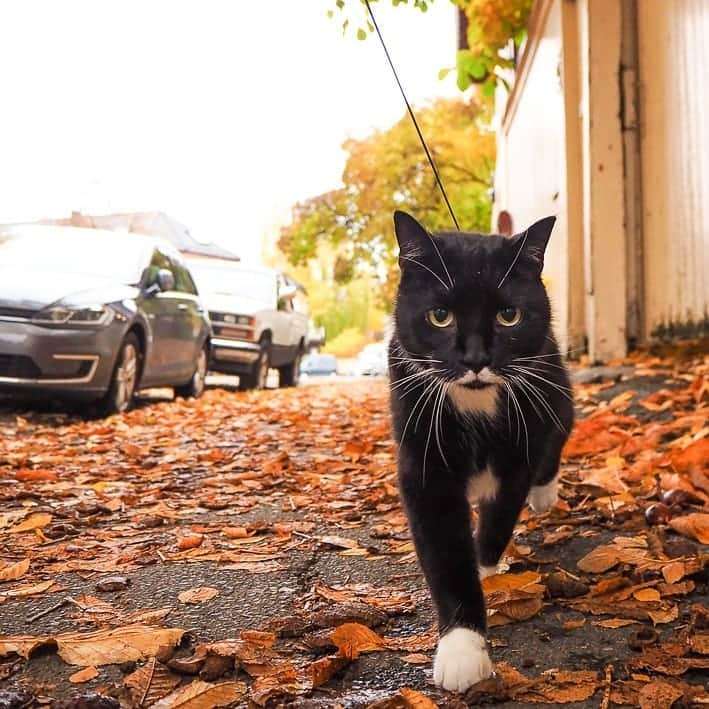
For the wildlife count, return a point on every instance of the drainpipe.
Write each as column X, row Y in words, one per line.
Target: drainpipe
column 632, row 175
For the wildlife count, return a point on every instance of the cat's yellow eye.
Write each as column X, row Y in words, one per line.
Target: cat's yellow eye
column 508, row 316
column 440, row 317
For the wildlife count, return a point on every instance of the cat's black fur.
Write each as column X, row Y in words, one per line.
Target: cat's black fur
column 446, row 444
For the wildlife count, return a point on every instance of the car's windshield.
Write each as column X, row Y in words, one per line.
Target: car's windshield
column 74, row 254
column 232, row 280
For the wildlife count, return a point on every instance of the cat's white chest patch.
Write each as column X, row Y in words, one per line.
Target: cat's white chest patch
column 480, row 402
column 483, row 486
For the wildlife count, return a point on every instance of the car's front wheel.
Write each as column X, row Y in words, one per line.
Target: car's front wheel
column 125, row 377
column 258, row 376
column 195, row 386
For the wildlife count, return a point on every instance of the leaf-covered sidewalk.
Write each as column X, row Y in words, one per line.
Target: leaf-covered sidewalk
column 249, row 550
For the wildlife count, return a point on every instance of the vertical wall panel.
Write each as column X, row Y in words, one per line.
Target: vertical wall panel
column 605, row 269
column 531, row 169
column 674, row 95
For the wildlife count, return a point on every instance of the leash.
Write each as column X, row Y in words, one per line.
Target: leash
column 413, row 117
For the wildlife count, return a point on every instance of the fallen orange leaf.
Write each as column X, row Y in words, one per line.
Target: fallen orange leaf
column 190, row 541
column 694, row 525
column 416, row 700
column 202, row 695
column 35, row 475
column 198, row 595
column 351, row 639
column 14, row 571
column 647, row 594
column 35, row 521
column 88, row 673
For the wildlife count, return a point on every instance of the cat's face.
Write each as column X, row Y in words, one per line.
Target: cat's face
column 469, row 306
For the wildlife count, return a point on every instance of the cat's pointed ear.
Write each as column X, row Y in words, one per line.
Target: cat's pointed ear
column 412, row 237
column 533, row 241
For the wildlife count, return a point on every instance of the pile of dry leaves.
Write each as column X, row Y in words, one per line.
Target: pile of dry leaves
column 248, row 481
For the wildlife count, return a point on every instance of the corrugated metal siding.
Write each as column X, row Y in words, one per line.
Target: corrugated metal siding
column 531, row 169
column 674, row 94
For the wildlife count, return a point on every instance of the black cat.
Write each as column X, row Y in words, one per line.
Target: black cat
column 481, row 407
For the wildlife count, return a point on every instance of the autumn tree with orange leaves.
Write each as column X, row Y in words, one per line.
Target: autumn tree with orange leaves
column 388, row 170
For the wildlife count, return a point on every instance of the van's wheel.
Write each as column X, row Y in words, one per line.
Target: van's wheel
column 258, row 376
column 195, row 386
column 289, row 374
column 124, row 378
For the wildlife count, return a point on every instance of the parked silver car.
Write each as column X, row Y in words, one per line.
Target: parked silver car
column 98, row 314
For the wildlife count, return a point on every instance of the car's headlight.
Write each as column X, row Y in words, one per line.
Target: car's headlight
column 96, row 315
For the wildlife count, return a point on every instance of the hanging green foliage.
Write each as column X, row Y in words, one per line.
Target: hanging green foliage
column 495, row 30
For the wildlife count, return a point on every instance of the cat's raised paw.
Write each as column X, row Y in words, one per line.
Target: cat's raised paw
column 461, row 660
column 543, row 497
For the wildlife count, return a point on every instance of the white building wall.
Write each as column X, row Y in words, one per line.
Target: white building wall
column 674, row 97
column 530, row 180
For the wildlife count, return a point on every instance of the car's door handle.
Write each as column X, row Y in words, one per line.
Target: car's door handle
column 182, row 306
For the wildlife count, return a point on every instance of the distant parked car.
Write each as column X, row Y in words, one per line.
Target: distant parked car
column 98, row 315
column 372, row 360
column 259, row 318
column 319, row 365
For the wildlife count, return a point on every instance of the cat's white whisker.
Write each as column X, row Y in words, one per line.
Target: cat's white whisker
column 425, row 404
column 538, row 394
column 430, row 429
column 422, row 373
column 540, row 359
column 441, row 405
column 524, row 422
column 523, row 388
column 432, row 272
column 413, row 385
column 529, row 371
column 514, row 260
column 443, row 263
column 509, row 419
column 528, row 388
column 538, row 356
column 415, row 406
column 413, row 359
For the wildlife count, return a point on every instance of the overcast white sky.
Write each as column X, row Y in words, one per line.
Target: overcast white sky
column 221, row 113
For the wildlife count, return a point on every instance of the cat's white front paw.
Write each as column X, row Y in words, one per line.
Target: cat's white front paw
column 543, row 497
column 461, row 660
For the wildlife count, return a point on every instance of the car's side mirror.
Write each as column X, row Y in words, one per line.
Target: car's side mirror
column 165, row 280
column 287, row 292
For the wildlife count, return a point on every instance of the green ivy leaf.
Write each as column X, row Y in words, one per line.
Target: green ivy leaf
column 361, row 34
column 462, row 80
column 443, row 73
column 488, row 88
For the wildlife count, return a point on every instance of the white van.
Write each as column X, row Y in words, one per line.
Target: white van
column 259, row 320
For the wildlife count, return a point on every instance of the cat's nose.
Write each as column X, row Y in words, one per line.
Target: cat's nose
column 477, row 360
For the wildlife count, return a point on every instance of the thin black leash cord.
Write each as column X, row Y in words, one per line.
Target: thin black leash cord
column 413, row 117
